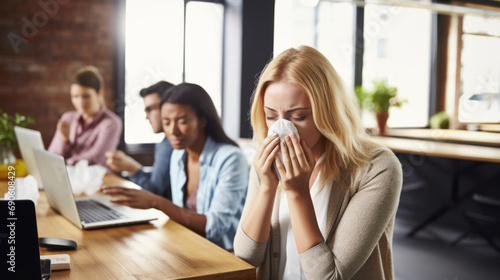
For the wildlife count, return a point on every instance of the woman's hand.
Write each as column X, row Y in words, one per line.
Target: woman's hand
column 298, row 164
column 63, row 128
column 263, row 161
column 134, row 198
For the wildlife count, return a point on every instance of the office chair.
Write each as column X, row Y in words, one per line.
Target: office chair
column 483, row 217
column 411, row 191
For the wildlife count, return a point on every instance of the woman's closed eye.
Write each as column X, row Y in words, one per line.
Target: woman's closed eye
column 299, row 118
column 271, row 117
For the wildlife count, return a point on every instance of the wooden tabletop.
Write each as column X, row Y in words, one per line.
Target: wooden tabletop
column 162, row 249
column 451, row 135
column 441, row 149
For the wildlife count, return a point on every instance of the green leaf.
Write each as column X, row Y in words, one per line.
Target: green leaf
column 380, row 99
column 7, row 123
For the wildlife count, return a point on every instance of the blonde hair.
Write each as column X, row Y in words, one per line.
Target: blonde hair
column 335, row 110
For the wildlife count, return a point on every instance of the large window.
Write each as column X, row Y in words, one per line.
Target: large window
column 204, row 25
column 153, row 52
column 175, row 41
column 326, row 26
column 397, row 50
column 479, row 100
column 335, row 39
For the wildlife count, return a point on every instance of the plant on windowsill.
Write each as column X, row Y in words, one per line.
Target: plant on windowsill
column 440, row 120
column 8, row 140
column 379, row 100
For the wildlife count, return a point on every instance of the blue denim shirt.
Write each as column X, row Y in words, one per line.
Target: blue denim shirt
column 158, row 181
column 221, row 190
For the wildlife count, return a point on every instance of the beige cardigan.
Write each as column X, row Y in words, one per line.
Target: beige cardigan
column 361, row 222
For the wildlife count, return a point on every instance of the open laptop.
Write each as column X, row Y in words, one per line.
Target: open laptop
column 27, row 140
column 85, row 213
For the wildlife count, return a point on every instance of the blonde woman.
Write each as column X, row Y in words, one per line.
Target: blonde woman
column 331, row 215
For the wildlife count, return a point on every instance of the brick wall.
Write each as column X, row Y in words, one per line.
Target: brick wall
column 42, row 43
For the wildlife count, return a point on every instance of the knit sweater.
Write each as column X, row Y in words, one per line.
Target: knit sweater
column 361, row 213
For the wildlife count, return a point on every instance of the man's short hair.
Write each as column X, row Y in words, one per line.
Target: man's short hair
column 161, row 87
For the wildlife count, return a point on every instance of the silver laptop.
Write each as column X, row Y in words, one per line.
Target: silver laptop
column 85, row 213
column 27, row 140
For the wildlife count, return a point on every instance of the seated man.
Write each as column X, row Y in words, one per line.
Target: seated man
column 158, row 181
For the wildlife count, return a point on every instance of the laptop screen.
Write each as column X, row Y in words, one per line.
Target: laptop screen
column 27, row 140
column 19, row 252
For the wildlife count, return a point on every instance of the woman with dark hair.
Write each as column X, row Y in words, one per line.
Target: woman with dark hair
column 198, row 99
column 92, row 129
column 208, row 171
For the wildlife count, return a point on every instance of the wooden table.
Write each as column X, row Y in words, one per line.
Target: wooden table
column 162, row 249
column 446, row 150
column 448, row 135
column 441, row 149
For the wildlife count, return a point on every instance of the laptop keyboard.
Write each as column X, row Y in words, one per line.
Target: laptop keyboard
column 92, row 211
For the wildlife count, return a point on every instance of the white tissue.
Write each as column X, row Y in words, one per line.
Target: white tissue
column 283, row 128
column 85, row 178
column 26, row 188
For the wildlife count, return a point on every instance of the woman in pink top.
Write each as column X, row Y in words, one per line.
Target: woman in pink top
column 92, row 129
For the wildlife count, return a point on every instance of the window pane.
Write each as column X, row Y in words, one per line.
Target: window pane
column 484, row 25
column 480, row 79
column 204, row 30
column 293, row 25
column 154, row 47
column 397, row 50
column 328, row 27
column 336, row 37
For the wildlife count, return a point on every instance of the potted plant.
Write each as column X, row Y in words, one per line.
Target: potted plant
column 379, row 100
column 7, row 136
column 440, row 120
